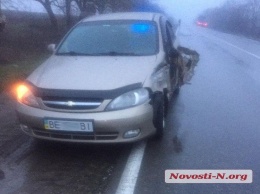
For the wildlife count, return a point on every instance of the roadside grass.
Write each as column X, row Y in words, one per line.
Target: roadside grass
column 17, row 71
column 23, row 46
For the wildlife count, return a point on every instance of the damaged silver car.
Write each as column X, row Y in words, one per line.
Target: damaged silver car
column 108, row 81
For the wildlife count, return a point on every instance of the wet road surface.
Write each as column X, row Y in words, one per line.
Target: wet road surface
column 214, row 122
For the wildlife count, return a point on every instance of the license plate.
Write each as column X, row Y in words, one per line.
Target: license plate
column 63, row 125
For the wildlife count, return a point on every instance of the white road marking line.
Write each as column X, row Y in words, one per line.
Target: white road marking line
column 131, row 171
column 243, row 50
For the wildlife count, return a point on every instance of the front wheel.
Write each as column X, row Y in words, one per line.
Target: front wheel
column 178, row 86
column 159, row 115
column 178, row 81
column 166, row 98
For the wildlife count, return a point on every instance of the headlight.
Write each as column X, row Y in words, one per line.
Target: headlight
column 25, row 96
column 129, row 99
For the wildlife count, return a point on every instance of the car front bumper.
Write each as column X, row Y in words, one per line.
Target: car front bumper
column 109, row 127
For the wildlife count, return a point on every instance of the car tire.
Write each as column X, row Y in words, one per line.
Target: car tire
column 177, row 89
column 166, row 99
column 159, row 116
column 179, row 82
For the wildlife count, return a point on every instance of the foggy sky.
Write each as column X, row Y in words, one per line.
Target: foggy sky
column 187, row 10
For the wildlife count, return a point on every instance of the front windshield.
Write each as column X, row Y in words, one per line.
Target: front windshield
column 131, row 38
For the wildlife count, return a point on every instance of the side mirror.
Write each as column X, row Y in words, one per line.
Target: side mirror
column 51, row 48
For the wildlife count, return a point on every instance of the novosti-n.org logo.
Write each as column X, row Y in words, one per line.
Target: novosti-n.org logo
column 208, row 176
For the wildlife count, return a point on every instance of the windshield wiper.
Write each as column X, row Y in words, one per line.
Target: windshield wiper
column 114, row 53
column 73, row 53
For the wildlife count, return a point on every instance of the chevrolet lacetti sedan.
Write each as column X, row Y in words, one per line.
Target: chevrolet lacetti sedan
column 108, row 81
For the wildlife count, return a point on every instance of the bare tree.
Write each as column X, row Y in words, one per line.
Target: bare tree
column 65, row 6
column 236, row 16
column 47, row 4
column 92, row 7
column 68, row 12
column 86, row 7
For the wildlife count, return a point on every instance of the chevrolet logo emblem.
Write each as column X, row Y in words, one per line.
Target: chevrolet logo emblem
column 70, row 103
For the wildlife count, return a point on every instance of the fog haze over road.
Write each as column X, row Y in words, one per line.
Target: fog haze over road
column 187, row 10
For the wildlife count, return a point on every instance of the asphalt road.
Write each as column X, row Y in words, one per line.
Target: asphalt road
column 213, row 124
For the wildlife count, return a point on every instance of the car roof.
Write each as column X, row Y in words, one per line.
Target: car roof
column 150, row 16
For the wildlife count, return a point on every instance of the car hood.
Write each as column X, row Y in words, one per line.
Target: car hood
column 92, row 73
